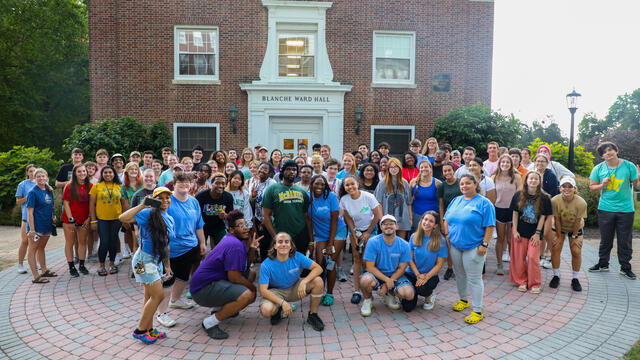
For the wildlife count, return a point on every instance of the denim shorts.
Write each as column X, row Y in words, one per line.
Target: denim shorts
column 145, row 258
column 402, row 281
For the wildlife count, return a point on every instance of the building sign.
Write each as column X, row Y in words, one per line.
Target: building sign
column 295, row 99
column 441, row 82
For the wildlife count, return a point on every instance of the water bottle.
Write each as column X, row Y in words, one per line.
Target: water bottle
column 330, row 263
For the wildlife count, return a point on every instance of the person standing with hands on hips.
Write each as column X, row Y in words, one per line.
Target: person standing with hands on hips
column 155, row 226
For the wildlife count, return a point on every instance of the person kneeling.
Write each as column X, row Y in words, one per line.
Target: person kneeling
column 280, row 282
column 387, row 257
column 224, row 278
column 428, row 252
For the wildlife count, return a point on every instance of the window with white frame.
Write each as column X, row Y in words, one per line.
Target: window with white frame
column 296, row 54
column 196, row 53
column 398, row 138
column 188, row 135
column 394, row 57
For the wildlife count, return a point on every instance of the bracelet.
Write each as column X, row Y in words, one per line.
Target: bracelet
column 445, row 234
column 538, row 231
column 281, row 302
column 94, row 221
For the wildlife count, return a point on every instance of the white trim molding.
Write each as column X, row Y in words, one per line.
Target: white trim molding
column 395, row 83
column 195, row 79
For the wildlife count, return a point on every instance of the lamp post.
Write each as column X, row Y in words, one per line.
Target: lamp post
column 358, row 116
column 233, row 115
column 572, row 104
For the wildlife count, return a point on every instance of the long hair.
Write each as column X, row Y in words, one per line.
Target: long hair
column 116, row 179
column 342, row 191
column 511, row 173
column 376, row 178
column 214, row 158
column 404, row 160
column 399, row 179
column 244, row 163
column 435, row 237
column 271, row 158
column 416, row 180
column 354, row 168
column 158, row 231
column 73, row 184
column 273, row 253
column 46, row 185
column 234, row 173
column 127, row 180
column 538, row 196
column 27, row 168
column 425, row 148
column 379, row 157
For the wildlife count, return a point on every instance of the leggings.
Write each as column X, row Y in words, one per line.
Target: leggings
column 108, row 231
column 425, row 290
column 467, row 265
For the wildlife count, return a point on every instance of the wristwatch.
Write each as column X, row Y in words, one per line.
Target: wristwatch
column 72, row 220
column 484, row 244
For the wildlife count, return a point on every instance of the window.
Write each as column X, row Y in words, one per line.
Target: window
column 296, row 54
column 188, row 135
column 394, row 58
column 196, row 53
column 398, row 138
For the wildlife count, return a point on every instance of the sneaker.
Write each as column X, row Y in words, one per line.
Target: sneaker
column 365, row 310
column 541, row 261
column 83, row 270
column 555, row 281
column 546, row 264
column 180, row 304
column 157, row 334
column 126, row 255
column 73, row 272
column 165, row 320
column 215, row 332
column 21, row 269
column 505, row 256
column 628, row 274
column 499, row 270
column 145, row 338
column 315, row 322
column 575, row 285
column 448, row 274
column 342, row 277
column 429, row 302
column 356, row 297
column 351, row 271
column 118, row 259
column 599, row 268
column 275, row 319
column 391, row 302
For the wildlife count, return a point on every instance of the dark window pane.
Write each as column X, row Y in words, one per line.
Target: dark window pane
column 398, row 139
column 188, row 137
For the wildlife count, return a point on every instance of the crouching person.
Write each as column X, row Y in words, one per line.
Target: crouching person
column 224, row 280
column 280, row 282
column 387, row 257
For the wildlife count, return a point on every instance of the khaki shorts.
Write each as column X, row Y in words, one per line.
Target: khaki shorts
column 289, row 295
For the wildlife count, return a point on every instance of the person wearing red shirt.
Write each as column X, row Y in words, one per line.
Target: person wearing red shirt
column 75, row 217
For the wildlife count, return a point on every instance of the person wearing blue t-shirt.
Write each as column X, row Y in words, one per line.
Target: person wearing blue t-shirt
column 280, row 282
column 469, row 223
column 324, row 211
column 40, row 220
column 614, row 179
column 428, row 253
column 150, row 263
column 21, row 199
column 386, row 257
column 188, row 245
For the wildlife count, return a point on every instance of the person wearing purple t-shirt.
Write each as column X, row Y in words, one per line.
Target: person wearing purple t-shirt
column 224, row 278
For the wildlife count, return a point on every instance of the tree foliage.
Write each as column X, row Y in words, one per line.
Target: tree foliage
column 539, row 129
column 475, row 126
column 119, row 135
column 628, row 142
column 44, row 86
column 12, row 165
column 590, row 127
column 625, row 111
column 583, row 160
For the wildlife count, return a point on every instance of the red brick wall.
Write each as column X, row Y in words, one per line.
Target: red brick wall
column 131, row 60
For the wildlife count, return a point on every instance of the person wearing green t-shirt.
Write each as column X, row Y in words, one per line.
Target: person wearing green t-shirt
column 614, row 179
column 288, row 204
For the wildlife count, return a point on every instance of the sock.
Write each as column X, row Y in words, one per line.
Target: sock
column 556, row 272
column 575, row 274
column 358, row 292
column 71, row 266
column 139, row 331
column 316, row 296
column 81, row 262
column 210, row 321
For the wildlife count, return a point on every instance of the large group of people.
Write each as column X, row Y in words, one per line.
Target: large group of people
column 211, row 228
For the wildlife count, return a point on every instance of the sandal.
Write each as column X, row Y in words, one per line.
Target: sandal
column 49, row 273
column 102, row 272
column 40, row 280
column 113, row 269
column 460, row 305
column 473, row 318
column 535, row 290
column 522, row 288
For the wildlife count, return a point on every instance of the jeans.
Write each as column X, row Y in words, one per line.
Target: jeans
column 108, row 232
column 467, row 265
column 619, row 223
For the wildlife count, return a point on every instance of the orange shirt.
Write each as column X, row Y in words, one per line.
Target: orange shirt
column 523, row 172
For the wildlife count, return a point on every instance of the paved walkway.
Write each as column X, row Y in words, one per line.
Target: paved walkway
column 92, row 317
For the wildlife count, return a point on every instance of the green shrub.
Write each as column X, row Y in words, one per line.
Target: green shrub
column 591, row 198
column 12, row 164
column 583, row 160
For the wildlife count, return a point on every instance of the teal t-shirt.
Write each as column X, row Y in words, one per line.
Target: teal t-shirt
column 617, row 196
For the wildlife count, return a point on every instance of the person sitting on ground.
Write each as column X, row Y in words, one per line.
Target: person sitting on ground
column 224, row 279
column 386, row 257
column 280, row 282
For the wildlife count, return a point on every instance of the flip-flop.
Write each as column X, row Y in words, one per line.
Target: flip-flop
column 113, row 269
column 49, row 273
column 40, row 280
column 102, row 272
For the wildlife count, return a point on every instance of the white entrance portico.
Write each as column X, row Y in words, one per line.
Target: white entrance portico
column 295, row 99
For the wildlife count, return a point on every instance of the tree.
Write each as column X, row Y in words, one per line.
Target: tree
column 583, row 160
column 590, row 127
column 550, row 133
column 628, row 142
column 44, row 86
column 625, row 111
column 475, row 126
column 118, row 135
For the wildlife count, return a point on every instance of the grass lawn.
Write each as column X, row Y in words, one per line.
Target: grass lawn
column 636, row 220
column 634, row 353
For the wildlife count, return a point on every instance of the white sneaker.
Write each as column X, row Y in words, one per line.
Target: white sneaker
column 342, row 277
column 391, row 302
column 166, row 320
column 351, row 271
column 180, row 305
column 546, row 264
column 21, row 269
column 118, row 259
column 505, row 256
column 126, row 255
column 429, row 302
column 365, row 310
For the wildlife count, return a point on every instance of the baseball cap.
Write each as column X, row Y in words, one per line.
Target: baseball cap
column 179, row 166
column 161, row 189
column 388, row 217
column 134, row 153
column 568, row 180
column 263, row 148
column 118, row 155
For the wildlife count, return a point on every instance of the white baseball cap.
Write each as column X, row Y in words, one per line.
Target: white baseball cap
column 388, row 217
column 568, row 180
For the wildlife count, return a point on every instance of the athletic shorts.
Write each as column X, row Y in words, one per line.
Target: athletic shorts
column 402, row 281
column 181, row 265
column 216, row 237
column 504, row 215
column 219, row 293
column 289, row 295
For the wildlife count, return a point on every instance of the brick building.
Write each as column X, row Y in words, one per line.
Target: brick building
column 296, row 71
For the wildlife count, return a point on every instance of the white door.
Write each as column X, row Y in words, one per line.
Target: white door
column 288, row 132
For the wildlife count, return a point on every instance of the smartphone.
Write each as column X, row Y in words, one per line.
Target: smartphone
column 154, row 203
